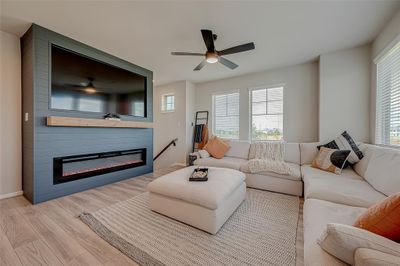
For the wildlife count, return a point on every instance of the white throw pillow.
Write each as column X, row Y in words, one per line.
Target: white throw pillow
column 203, row 154
column 342, row 241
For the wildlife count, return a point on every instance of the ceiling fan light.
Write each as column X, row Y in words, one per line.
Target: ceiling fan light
column 211, row 58
column 90, row 90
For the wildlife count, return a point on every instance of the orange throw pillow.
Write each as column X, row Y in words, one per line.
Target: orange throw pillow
column 382, row 218
column 216, row 147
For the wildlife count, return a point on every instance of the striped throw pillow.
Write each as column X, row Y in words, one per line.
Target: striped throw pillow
column 346, row 142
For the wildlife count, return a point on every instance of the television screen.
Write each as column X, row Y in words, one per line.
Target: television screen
column 80, row 83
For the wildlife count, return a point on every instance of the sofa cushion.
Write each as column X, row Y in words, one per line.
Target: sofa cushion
column 342, row 190
column 383, row 171
column 224, row 162
column 308, row 151
column 276, row 184
column 295, row 170
column 308, row 172
column 210, row 194
column 317, row 214
column 239, row 149
column 292, row 153
column 371, row 257
column 362, row 165
column 343, row 240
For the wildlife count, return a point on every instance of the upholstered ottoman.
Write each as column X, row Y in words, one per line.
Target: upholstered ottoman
column 204, row 205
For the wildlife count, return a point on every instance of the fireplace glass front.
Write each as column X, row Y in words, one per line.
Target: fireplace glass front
column 75, row 167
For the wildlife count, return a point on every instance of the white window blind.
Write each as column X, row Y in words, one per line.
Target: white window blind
column 388, row 98
column 226, row 115
column 267, row 113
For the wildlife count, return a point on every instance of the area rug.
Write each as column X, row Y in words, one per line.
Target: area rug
column 262, row 231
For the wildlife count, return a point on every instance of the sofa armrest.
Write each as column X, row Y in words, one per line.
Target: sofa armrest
column 371, row 257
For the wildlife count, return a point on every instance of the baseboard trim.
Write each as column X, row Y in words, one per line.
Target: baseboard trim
column 11, row 195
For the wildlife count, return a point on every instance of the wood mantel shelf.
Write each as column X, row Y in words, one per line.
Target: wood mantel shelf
column 64, row 121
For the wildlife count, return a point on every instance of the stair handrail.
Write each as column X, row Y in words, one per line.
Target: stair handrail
column 173, row 142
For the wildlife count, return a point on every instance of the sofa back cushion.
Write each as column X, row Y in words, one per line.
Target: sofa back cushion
column 383, row 171
column 239, row 149
column 308, row 151
column 362, row 165
column 292, row 153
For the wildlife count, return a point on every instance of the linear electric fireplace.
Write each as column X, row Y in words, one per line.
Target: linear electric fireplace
column 75, row 167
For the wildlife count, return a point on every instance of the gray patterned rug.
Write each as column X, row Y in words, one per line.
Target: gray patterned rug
column 262, row 231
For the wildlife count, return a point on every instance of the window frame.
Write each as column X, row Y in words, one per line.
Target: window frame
column 379, row 139
column 164, row 103
column 214, row 112
column 273, row 86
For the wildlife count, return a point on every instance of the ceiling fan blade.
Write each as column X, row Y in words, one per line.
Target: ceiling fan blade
column 238, row 49
column 73, row 85
column 208, row 40
column 185, row 53
column 200, row 66
column 227, row 63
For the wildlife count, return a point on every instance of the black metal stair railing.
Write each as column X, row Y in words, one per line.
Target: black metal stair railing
column 173, row 142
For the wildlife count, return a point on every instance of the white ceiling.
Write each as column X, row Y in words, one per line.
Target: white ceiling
column 145, row 33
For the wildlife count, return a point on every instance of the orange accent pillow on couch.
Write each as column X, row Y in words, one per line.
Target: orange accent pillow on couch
column 382, row 218
column 216, row 147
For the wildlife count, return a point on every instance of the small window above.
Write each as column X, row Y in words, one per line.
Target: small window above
column 168, row 103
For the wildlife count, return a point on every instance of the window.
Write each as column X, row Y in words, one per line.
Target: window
column 138, row 108
column 267, row 113
column 226, row 115
column 388, row 98
column 91, row 105
column 168, row 103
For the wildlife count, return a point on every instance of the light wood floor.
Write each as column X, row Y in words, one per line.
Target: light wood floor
column 51, row 233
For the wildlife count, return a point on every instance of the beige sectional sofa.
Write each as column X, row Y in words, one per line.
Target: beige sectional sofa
column 341, row 199
column 240, row 153
column 329, row 198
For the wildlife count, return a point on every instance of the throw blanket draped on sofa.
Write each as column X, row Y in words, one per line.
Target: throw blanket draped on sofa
column 269, row 156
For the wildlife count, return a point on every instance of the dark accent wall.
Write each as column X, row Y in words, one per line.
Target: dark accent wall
column 42, row 143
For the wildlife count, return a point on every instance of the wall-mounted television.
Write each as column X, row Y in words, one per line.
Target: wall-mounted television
column 80, row 83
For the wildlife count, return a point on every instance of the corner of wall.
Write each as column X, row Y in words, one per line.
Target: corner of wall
column 382, row 43
column 10, row 116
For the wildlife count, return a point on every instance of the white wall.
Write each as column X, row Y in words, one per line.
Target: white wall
column 177, row 124
column 300, row 99
column 344, row 94
column 387, row 35
column 10, row 116
column 383, row 42
column 190, row 106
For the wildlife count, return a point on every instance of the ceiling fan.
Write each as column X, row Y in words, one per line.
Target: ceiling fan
column 213, row 56
column 87, row 87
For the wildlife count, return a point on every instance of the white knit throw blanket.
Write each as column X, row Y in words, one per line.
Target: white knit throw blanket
column 269, row 156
